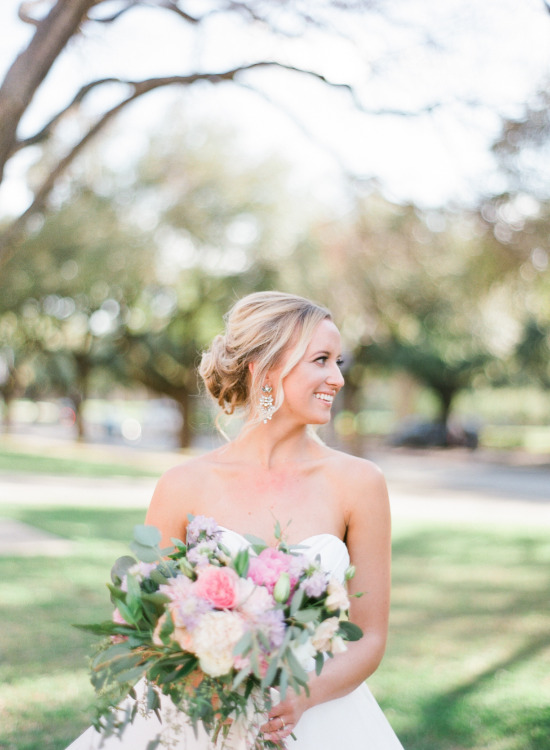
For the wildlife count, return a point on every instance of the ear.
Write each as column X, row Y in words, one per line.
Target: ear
column 251, row 367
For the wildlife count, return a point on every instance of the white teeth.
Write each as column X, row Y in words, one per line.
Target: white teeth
column 324, row 397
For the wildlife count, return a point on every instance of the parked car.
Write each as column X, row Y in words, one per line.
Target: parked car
column 421, row 433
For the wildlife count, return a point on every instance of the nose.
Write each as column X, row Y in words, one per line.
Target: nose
column 335, row 378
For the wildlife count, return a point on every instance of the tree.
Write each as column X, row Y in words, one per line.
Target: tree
column 69, row 285
column 423, row 292
column 67, row 20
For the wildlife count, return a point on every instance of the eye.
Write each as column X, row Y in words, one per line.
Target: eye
column 321, row 360
column 340, row 362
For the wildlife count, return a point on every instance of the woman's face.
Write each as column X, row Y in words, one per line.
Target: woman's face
column 311, row 385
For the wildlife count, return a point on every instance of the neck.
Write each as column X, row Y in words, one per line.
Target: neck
column 273, row 444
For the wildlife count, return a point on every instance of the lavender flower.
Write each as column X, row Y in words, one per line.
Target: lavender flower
column 188, row 612
column 315, row 585
column 298, row 564
column 272, row 624
column 202, row 528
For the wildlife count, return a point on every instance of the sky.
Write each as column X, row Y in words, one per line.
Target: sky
column 477, row 61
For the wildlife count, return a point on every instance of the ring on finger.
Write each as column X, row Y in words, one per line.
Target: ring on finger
column 282, row 723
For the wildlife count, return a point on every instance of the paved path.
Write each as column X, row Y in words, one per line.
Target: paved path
column 443, row 487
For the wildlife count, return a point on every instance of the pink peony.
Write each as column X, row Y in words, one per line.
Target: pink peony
column 265, row 569
column 219, row 586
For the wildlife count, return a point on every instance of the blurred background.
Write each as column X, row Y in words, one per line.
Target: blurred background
column 160, row 159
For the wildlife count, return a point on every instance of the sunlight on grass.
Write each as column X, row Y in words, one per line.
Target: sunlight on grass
column 469, row 652
column 468, row 659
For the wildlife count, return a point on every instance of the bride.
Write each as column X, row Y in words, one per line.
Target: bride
column 280, row 361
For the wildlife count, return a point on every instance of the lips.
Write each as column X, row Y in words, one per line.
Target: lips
column 328, row 398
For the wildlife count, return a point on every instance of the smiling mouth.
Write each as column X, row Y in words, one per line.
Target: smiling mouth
column 327, row 398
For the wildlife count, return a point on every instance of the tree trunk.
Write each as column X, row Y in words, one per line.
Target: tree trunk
column 185, row 433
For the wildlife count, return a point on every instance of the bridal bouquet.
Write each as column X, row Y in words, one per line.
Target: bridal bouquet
column 214, row 631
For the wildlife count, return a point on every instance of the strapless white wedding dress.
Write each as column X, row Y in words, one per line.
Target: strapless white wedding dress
column 354, row 722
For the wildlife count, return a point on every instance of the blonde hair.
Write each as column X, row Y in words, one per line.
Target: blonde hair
column 260, row 328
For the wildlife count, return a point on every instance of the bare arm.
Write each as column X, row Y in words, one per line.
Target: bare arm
column 369, row 544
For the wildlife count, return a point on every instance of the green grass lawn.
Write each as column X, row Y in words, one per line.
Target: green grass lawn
column 40, row 463
column 467, row 666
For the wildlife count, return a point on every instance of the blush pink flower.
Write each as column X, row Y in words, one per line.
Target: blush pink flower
column 118, row 618
column 219, row 586
column 265, row 569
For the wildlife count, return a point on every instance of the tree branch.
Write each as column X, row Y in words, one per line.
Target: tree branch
column 166, row 4
column 139, row 88
column 31, row 67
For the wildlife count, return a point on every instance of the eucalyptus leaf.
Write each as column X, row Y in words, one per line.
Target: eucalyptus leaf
column 148, row 536
column 350, row 631
column 307, row 615
column 319, row 663
column 143, row 552
column 242, row 675
column 296, row 602
column 133, row 674
column 121, row 567
column 269, row 676
column 283, row 684
column 243, row 645
column 255, row 541
column 298, row 672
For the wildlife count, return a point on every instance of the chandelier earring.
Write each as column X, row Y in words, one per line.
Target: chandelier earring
column 266, row 403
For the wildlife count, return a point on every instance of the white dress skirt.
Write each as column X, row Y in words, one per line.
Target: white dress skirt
column 353, row 722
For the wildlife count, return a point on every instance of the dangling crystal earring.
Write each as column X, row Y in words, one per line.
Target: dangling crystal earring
column 266, row 403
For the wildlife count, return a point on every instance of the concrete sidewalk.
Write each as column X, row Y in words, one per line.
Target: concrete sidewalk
column 449, row 488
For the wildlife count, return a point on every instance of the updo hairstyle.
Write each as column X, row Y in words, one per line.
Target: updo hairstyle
column 260, row 328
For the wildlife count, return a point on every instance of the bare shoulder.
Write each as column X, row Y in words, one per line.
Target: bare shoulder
column 353, row 469
column 188, row 472
column 361, row 483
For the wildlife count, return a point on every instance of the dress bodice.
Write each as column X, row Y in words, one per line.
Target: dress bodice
column 332, row 550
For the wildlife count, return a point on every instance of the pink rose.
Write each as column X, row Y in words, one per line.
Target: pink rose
column 265, row 569
column 219, row 586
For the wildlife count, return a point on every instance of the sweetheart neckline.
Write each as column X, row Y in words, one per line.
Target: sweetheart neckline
column 307, row 539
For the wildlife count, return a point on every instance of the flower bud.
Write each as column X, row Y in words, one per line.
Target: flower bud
column 186, row 568
column 281, row 592
column 350, row 572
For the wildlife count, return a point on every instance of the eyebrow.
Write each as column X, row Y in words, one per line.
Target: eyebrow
column 323, row 352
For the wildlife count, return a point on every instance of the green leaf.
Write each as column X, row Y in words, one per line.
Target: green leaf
column 278, row 532
column 298, row 672
column 156, row 598
column 121, row 567
column 108, row 627
column 307, row 615
column 269, row 677
column 153, row 700
column 243, row 645
column 116, row 593
column 148, row 536
column 350, row 631
column 242, row 675
column 178, row 544
column 241, row 563
column 134, row 591
column 319, row 663
column 113, row 652
column 283, row 683
column 145, row 553
column 296, row 602
column 166, row 630
column 127, row 613
column 132, row 675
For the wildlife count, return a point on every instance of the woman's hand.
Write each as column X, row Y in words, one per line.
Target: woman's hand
column 283, row 717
